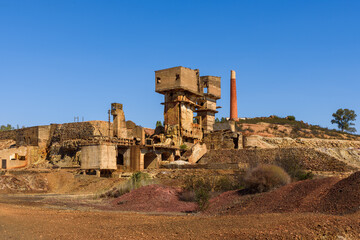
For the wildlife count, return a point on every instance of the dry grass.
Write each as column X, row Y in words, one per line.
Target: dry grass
column 266, row 177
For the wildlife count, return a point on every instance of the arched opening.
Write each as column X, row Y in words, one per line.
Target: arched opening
column 165, row 156
column 150, row 160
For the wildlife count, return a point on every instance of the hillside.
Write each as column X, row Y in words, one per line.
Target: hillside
column 274, row 126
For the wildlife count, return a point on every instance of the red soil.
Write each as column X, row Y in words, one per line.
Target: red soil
column 327, row 195
column 343, row 197
column 154, row 198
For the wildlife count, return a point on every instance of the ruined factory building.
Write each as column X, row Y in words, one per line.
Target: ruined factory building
column 104, row 147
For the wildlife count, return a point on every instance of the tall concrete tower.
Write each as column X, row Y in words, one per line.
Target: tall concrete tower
column 233, row 99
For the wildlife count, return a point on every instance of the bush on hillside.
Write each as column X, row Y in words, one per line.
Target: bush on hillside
column 291, row 118
column 294, row 168
column 265, row 177
column 199, row 188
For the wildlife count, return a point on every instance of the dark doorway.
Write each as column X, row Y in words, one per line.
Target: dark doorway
column 236, row 143
column 150, row 160
column 120, row 159
column 3, row 164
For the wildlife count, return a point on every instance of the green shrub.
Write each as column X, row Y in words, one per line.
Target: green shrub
column 198, row 188
column 294, row 168
column 215, row 183
column 183, row 147
column 303, row 175
column 137, row 180
column 291, row 118
column 266, row 177
column 202, row 196
column 138, row 177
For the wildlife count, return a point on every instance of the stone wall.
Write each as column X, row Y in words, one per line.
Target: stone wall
column 8, row 135
column 79, row 130
column 31, row 136
column 223, row 140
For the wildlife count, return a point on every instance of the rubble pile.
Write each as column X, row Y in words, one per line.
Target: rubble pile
column 154, row 198
column 29, row 183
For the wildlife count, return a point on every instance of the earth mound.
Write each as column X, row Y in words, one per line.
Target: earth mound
column 302, row 196
column 326, row 195
column 154, row 198
column 343, row 197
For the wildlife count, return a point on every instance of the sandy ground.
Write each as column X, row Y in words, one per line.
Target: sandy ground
column 72, row 211
column 28, row 217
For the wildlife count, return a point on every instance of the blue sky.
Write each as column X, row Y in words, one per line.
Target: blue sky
column 60, row 59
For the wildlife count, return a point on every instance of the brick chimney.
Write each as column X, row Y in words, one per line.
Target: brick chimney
column 233, row 99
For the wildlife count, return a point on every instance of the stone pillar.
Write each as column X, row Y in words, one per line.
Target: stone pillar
column 233, row 99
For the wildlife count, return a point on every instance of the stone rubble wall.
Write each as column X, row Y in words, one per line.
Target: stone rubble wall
column 311, row 159
column 79, row 130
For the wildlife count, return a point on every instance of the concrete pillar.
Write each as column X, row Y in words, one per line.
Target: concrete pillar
column 127, row 160
column 141, row 165
column 233, row 98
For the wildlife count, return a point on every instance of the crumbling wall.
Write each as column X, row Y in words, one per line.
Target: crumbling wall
column 79, row 130
column 65, row 154
column 31, row 136
column 135, row 132
column 27, row 136
column 65, row 144
column 8, row 135
column 228, row 125
column 223, row 140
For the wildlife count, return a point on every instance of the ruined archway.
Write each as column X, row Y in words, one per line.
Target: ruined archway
column 150, row 160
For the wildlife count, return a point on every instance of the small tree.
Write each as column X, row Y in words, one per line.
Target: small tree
column 158, row 124
column 344, row 118
column 7, row 127
column 291, row 118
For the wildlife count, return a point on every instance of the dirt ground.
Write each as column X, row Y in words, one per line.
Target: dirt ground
column 40, row 222
column 72, row 209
